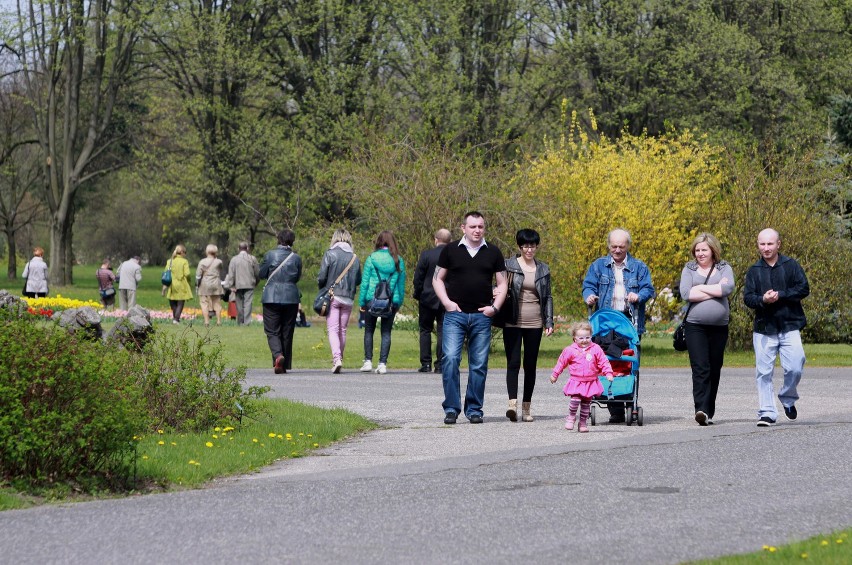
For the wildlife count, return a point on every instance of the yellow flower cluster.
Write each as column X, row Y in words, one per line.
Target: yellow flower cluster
column 59, row 303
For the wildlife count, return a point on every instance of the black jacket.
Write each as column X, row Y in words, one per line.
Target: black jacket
column 789, row 280
column 542, row 287
column 423, row 274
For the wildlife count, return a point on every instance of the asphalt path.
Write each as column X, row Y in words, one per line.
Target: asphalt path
column 419, row 491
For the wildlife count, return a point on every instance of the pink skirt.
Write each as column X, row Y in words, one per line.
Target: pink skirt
column 584, row 388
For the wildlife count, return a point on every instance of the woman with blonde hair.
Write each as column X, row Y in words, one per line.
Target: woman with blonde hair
column 35, row 274
column 208, row 283
column 180, row 290
column 706, row 282
column 339, row 261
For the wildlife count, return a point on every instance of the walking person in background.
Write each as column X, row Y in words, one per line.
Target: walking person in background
column 129, row 275
column 383, row 264
column 706, row 284
column 180, row 290
column 463, row 282
column 243, row 273
column 338, row 259
column 621, row 282
column 585, row 362
column 774, row 288
column 208, row 283
column 528, row 314
column 35, row 272
column 282, row 269
column 106, row 284
column 430, row 312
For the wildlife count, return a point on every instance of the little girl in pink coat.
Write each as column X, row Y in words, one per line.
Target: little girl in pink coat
column 585, row 361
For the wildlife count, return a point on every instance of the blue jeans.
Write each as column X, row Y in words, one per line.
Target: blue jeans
column 369, row 329
column 477, row 329
column 766, row 349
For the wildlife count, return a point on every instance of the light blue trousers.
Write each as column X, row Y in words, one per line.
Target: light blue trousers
column 766, row 349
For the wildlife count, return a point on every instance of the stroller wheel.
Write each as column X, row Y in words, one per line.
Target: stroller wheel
column 628, row 418
column 639, row 416
column 592, row 417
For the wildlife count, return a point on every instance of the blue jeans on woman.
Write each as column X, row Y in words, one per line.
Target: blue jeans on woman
column 477, row 329
column 370, row 329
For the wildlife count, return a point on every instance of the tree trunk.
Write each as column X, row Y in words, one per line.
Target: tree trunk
column 12, row 269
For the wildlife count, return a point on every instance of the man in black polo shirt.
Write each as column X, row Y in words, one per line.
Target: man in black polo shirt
column 463, row 282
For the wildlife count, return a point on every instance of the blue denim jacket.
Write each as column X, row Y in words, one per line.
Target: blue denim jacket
column 600, row 281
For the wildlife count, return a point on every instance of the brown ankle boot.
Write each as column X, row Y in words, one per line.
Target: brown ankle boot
column 525, row 410
column 512, row 411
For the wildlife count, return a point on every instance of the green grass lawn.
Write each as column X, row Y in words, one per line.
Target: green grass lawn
column 247, row 345
column 828, row 549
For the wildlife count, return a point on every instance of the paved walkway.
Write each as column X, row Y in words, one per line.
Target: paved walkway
column 500, row 492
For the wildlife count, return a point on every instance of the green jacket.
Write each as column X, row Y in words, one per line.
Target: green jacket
column 380, row 264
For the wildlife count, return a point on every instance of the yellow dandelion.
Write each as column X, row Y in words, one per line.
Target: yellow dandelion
column 173, row 443
column 197, row 464
column 228, row 429
column 295, row 453
column 310, row 435
column 242, row 452
column 217, row 429
column 823, row 542
column 288, row 436
column 804, row 556
column 271, row 434
column 772, row 549
column 160, row 432
column 144, row 457
column 209, row 444
column 279, row 436
column 215, row 436
column 301, row 433
column 191, row 462
column 161, row 442
column 254, row 439
column 838, row 541
column 316, row 445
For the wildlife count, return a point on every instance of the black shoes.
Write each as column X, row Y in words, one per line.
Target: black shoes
column 765, row 422
column 791, row 412
column 475, row 419
column 424, row 369
column 450, row 418
column 701, row 418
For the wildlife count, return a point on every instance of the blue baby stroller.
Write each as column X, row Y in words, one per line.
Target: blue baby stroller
column 624, row 388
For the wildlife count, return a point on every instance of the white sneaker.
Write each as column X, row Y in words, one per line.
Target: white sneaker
column 381, row 369
column 367, row 366
column 337, row 367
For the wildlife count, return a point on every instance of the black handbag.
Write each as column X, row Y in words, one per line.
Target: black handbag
column 679, row 336
column 499, row 319
column 323, row 300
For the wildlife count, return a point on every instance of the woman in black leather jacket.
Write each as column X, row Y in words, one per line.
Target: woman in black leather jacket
column 530, row 315
column 282, row 268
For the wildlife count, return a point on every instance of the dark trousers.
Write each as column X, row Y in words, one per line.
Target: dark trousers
column 512, row 340
column 279, row 321
column 177, row 308
column 370, row 329
column 427, row 318
column 706, row 346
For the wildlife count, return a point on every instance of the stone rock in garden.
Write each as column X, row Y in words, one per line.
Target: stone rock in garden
column 12, row 303
column 132, row 330
column 84, row 320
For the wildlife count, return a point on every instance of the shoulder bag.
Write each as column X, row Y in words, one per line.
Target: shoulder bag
column 166, row 279
column 679, row 336
column 323, row 300
column 504, row 313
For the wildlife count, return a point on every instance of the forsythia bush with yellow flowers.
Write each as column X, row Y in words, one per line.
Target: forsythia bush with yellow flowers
column 660, row 189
